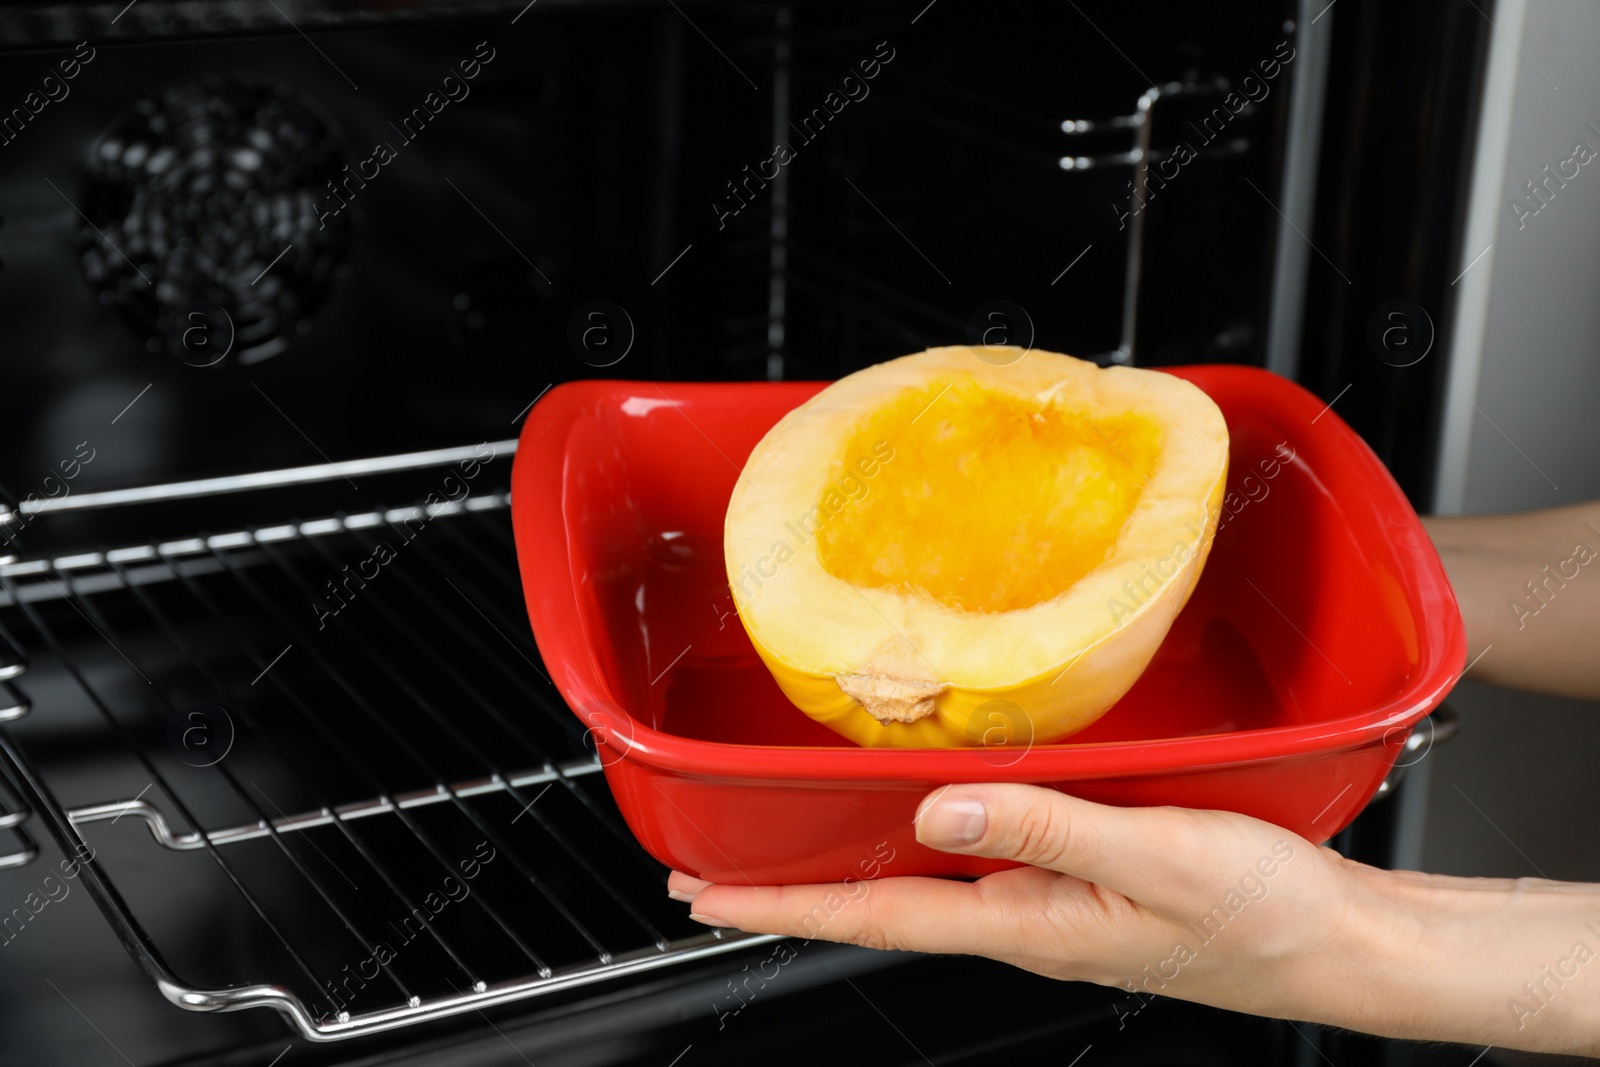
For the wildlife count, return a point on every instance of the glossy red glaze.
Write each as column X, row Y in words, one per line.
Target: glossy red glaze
column 1322, row 630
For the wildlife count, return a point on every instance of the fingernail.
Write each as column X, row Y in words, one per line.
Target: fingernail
column 684, row 887
column 952, row 822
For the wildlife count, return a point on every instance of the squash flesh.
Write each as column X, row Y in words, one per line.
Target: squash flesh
column 993, row 503
column 935, row 538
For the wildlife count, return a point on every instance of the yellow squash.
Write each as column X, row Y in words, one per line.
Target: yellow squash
column 939, row 551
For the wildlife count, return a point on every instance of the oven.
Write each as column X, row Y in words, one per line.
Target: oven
column 284, row 778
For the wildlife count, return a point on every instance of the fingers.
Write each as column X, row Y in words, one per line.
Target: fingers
column 911, row 914
column 899, row 913
column 1138, row 852
column 1103, row 889
column 682, row 887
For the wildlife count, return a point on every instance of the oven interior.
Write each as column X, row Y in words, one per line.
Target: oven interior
column 299, row 720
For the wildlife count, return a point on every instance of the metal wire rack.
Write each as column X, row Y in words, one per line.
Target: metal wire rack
column 13, row 813
column 375, row 809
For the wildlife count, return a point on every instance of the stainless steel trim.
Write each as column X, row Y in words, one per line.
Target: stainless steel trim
column 1468, row 308
column 319, row 472
column 113, row 810
column 1297, row 192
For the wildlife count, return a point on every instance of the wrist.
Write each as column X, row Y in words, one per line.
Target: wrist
column 1514, row 964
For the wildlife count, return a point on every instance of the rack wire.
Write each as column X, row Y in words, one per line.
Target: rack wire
column 13, row 813
column 347, row 718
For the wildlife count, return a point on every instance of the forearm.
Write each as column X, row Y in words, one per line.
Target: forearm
column 1432, row 958
column 1529, row 589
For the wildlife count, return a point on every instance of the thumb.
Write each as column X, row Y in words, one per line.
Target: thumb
column 1110, row 846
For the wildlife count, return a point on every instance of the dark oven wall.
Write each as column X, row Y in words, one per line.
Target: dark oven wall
column 395, row 235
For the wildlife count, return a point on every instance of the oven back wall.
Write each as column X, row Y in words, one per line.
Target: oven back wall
column 347, row 245
column 430, row 265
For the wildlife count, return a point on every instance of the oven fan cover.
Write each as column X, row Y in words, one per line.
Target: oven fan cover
column 200, row 222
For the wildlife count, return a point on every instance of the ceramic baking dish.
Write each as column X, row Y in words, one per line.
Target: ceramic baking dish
column 1321, row 631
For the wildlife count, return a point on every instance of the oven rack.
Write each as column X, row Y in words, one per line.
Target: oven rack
column 13, row 813
column 189, row 841
column 21, row 849
column 390, row 734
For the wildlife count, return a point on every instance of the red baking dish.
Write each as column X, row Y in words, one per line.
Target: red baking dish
column 1322, row 630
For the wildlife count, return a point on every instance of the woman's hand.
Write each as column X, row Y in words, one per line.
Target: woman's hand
column 1216, row 908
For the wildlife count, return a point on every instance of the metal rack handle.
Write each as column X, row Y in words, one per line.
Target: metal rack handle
column 1434, row 729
